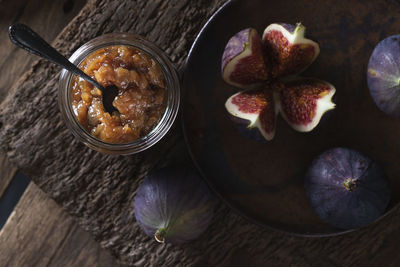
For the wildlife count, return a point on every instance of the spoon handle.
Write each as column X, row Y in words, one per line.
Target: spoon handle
column 24, row 37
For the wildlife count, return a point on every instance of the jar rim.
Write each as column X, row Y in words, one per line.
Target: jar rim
column 173, row 94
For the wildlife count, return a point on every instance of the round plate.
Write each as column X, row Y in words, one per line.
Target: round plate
column 264, row 181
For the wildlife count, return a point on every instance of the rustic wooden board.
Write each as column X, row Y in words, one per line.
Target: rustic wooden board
column 49, row 19
column 99, row 190
column 7, row 172
column 39, row 233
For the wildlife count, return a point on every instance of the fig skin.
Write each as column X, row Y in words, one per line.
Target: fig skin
column 254, row 113
column 283, row 58
column 242, row 61
column 383, row 75
column 242, row 126
column 303, row 101
column 174, row 205
column 347, row 189
column 286, row 49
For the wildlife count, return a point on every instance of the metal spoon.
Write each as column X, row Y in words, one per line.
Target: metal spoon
column 24, row 37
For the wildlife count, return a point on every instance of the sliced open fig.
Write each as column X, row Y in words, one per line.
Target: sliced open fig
column 254, row 113
column 286, row 49
column 303, row 101
column 242, row 61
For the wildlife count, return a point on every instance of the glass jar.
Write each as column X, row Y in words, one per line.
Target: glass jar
column 173, row 94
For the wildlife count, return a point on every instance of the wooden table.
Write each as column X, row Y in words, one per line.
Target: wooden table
column 98, row 190
column 48, row 235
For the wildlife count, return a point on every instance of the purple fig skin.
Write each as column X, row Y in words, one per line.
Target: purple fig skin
column 347, row 189
column 174, row 202
column 235, row 46
column 289, row 27
column 241, row 125
column 254, row 111
column 242, row 62
column 383, row 75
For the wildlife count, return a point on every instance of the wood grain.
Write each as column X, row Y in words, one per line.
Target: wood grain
column 7, row 172
column 98, row 190
column 49, row 20
column 39, row 233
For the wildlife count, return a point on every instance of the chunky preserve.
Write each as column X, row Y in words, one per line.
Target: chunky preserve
column 141, row 99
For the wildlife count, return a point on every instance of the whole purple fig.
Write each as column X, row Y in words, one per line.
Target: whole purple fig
column 383, row 75
column 174, row 205
column 347, row 189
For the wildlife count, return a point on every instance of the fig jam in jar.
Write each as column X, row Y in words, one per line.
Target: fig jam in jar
column 147, row 100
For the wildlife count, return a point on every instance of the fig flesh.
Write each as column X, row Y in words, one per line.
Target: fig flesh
column 283, row 53
column 287, row 50
column 254, row 112
column 303, row 101
column 242, row 61
column 347, row 189
column 383, row 75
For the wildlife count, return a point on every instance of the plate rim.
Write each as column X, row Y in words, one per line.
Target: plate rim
column 213, row 188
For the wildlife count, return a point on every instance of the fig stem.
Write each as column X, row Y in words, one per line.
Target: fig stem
column 160, row 235
column 350, row 184
column 299, row 28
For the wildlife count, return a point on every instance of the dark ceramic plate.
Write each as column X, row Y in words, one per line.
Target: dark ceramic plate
column 264, row 182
